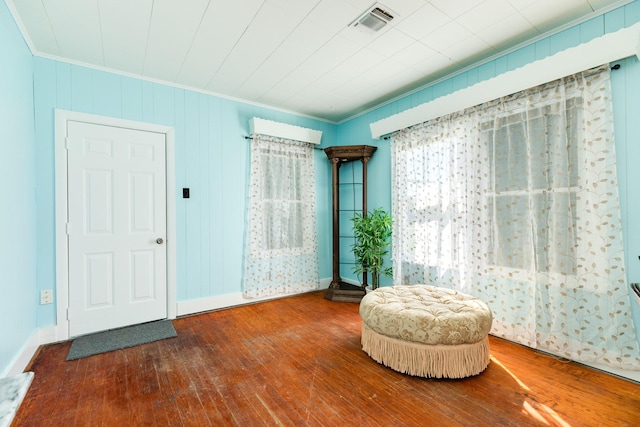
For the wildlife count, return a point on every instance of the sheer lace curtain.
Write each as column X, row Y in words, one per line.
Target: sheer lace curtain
column 281, row 243
column 516, row 201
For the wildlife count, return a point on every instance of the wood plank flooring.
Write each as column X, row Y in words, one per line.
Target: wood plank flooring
column 298, row 362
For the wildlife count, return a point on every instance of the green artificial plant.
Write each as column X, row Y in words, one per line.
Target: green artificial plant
column 372, row 234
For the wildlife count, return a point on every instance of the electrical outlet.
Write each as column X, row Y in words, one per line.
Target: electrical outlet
column 46, row 297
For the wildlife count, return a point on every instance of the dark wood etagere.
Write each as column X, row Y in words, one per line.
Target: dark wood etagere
column 339, row 290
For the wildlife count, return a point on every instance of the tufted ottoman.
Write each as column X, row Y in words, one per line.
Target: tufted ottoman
column 426, row 331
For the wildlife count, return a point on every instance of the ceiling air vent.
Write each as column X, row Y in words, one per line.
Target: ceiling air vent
column 374, row 18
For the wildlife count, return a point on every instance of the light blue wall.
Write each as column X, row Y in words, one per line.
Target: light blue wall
column 211, row 159
column 18, row 297
column 626, row 104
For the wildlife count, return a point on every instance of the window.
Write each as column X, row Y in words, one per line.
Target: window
column 533, row 187
column 281, row 251
column 516, row 201
column 281, row 200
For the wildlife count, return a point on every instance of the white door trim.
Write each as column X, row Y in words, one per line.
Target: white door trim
column 61, row 209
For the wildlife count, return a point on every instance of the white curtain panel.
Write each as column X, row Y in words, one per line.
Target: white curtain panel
column 281, row 243
column 516, row 202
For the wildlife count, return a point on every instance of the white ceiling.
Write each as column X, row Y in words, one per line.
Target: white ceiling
column 296, row 55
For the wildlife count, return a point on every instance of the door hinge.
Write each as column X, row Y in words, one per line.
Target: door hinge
column 67, row 227
column 68, row 317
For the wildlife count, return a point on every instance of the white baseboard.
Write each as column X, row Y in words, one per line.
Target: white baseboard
column 201, row 305
column 624, row 373
column 52, row 334
column 39, row 337
column 22, row 359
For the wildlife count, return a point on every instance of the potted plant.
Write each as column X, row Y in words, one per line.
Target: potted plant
column 372, row 234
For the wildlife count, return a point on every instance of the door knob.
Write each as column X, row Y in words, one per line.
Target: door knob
column 159, row 240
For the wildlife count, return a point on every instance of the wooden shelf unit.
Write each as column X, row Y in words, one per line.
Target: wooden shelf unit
column 339, row 290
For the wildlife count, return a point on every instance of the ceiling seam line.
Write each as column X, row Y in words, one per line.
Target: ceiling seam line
column 195, row 34
column 274, row 50
column 235, row 44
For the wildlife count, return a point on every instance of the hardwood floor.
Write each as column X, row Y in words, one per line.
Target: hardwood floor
column 298, row 362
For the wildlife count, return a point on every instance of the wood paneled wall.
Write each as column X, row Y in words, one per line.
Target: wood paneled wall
column 211, row 158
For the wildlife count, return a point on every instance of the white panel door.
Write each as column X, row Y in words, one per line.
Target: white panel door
column 116, row 227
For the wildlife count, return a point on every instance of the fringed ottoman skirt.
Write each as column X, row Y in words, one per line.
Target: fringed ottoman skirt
column 426, row 331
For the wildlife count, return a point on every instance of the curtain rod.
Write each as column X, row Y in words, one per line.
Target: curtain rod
column 315, row 147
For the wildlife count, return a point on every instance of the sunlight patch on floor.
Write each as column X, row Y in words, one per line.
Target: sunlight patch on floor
column 516, row 379
column 544, row 414
column 539, row 411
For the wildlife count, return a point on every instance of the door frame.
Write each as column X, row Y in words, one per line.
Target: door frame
column 62, row 117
